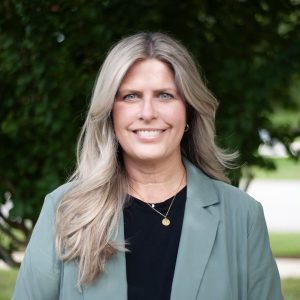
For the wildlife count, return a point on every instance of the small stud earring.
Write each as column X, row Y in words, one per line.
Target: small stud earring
column 187, row 127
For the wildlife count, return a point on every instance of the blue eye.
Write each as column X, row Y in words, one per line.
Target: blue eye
column 129, row 97
column 165, row 96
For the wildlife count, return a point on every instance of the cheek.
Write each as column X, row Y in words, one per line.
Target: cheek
column 177, row 115
column 118, row 116
column 121, row 116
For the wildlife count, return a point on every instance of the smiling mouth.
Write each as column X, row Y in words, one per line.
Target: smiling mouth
column 148, row 133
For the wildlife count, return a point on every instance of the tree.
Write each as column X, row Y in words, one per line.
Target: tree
column 50, row 52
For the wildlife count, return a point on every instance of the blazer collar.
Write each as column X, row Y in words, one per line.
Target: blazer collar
column 200, row 186
column 196, row 242
column 198, row 234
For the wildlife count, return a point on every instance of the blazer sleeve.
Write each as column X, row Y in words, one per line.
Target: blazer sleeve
column 39, row 275
column 263, row 276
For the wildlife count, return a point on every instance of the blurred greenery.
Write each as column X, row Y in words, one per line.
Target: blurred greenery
column 285, row 244
column 50, row 53
column 286, row 169
column 286, row 116
column 7, row 283
column 290, row 287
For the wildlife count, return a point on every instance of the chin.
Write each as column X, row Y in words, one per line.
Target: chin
column 151, row 154
column 151, row 157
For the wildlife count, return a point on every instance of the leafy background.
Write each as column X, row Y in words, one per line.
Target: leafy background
column 51, row 51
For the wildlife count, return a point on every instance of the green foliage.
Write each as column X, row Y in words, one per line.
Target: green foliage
column 50, row 53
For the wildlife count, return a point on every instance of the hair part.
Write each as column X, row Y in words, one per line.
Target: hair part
column 88, row 215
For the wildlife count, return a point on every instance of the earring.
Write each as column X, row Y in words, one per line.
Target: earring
column 187, row 127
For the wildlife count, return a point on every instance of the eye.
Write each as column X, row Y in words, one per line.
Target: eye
column 129, row 97
column 165, row 96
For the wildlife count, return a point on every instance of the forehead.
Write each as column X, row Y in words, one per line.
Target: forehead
column 148, row 72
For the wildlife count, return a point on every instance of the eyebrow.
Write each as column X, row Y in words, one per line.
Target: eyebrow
column 156, row 91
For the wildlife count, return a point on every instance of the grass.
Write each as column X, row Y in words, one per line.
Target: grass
column 7, row 282
column 286, row 169
column 290, row 287
column 285, row 244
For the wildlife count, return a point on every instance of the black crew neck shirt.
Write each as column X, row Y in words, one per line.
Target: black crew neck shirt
column 150, row 264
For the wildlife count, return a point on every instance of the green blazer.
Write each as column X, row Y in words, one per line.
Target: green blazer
column 224, row 252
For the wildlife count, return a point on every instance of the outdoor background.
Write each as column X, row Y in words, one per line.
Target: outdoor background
column 51, row 51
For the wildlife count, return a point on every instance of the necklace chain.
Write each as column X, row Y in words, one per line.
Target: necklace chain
column 166, row 221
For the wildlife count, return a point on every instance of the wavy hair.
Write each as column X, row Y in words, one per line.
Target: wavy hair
column 88, row 214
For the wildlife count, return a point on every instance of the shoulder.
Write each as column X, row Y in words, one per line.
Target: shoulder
column 223, row 199
column 239, row 205
column 40, row 272
column 50, row 203
column 56, row 195
column 214, row 191
column 233, row 195
column 52, row 200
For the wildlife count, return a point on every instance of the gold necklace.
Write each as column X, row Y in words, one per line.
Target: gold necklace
column 165, row 221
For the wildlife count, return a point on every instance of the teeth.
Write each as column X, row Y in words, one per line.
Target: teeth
column 148, row 133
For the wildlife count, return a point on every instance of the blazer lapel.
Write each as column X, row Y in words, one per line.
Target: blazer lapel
column 197, row 239
column 198, row 234
column 113, row 283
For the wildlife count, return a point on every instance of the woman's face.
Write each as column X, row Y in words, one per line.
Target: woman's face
column 149, row 116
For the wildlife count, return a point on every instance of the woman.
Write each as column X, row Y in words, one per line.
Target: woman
column 149, row 174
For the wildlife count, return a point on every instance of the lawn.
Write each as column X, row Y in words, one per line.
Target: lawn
column 290, row 287
column 285, row 244
column 286, row 169
column 7, row 281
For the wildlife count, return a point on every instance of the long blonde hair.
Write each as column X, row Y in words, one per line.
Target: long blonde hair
column 88, row 215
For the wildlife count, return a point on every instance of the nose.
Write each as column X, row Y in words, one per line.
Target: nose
column 147, row 110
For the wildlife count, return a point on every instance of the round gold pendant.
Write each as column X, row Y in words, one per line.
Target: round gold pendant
column 166, row 221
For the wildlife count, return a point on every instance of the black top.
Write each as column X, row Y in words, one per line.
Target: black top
column 150, row 264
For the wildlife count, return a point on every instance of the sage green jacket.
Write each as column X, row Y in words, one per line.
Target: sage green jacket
column 224, row 252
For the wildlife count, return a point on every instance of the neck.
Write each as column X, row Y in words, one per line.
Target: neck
column 155, row 182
